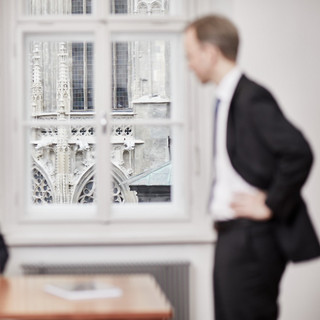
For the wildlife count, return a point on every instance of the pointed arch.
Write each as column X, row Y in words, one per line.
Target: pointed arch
column 42, row 187
column 142, row 7
column 156, row 7
column 85, row 190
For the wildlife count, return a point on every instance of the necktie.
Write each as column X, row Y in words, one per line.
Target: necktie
column 215, row 122
column 213, row 174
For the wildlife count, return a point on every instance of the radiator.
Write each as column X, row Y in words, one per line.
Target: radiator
column 172, row 277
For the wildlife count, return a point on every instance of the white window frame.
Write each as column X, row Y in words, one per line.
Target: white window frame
column 173, row 223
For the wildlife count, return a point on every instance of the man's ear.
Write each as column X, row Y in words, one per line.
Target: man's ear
column 212, row 52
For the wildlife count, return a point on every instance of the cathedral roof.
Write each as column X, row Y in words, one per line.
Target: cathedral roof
column 160, row 176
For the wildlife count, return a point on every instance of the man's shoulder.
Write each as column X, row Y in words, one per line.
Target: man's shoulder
column 250, row 89
column 248, row 83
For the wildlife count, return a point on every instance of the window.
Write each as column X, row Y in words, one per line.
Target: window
column 102, row 114
column 62, row 135
column 81, row 6
column 82, row 77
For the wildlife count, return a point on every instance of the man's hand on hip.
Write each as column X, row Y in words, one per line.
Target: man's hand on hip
column 251, row 206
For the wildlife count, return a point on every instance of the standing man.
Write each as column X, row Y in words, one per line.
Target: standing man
column 261, row 163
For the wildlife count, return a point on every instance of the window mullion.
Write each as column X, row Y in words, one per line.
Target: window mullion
column 102, row 101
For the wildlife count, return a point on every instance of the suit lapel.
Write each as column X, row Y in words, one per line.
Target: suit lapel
column 231, row 123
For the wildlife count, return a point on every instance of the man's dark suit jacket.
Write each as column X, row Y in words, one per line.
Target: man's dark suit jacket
column 4, row 255
column 272, row 155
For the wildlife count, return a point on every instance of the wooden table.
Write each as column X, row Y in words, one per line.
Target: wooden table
column 24, row 298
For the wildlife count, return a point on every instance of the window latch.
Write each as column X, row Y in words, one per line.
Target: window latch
column 104, row 123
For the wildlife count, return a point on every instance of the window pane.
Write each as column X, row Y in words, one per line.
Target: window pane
column 141, row 78
column 141, row 160
column 61, row 76
column 62, row 164
column 57, row 7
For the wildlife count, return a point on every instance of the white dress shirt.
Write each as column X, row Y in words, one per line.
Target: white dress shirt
column 227, row 180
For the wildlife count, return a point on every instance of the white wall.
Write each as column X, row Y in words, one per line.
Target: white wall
column 281, row 49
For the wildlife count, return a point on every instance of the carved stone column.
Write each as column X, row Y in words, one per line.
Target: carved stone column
column 63, row 108
column 63, row 86
column 37, row 85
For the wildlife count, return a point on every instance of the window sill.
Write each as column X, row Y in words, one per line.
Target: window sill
column 112, row 238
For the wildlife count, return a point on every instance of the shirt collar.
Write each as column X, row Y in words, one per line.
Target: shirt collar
column 228, row 84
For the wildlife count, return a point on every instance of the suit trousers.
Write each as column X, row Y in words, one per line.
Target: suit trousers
column 247, row 271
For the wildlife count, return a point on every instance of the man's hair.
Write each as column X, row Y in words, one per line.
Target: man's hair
column 219, row 31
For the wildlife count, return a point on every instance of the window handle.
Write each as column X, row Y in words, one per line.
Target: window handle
column 104, row 124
